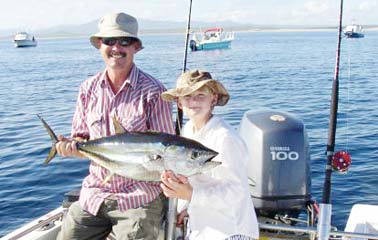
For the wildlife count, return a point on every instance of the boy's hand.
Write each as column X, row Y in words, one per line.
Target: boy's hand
column 176, row 186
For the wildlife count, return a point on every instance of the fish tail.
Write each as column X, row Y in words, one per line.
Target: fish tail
column 54, row 140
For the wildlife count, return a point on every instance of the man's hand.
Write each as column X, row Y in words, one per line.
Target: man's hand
column 68, row 148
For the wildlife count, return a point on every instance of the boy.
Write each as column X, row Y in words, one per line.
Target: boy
column 217, row 202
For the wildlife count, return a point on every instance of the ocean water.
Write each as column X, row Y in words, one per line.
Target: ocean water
column 286, row 71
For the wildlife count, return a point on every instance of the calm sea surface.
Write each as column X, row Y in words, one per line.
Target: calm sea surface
column 290, row 72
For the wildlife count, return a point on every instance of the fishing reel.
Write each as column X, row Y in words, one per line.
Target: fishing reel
column 341, row 161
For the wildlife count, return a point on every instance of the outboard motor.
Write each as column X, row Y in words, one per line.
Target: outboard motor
column 193, row 45
column 279, row 169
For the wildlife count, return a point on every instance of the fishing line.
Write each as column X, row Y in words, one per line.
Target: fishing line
column 348, row 101
column 348, row 104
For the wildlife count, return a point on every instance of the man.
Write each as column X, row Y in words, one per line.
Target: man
column 130, row 209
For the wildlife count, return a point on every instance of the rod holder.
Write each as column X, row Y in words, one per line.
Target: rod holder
column 324, row 223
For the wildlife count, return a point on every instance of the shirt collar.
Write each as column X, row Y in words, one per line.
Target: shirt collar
column 209, row 125
column 132, row 79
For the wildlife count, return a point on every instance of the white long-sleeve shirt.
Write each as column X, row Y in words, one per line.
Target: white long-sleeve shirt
column 221, row 205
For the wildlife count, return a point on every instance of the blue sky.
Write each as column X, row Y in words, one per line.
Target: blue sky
column 37, row 14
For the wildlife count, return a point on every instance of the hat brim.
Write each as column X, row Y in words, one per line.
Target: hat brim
column 112, row 33
column 217, row 87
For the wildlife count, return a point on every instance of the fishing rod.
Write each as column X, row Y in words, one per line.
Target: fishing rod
column 172, row 204
column 179, row 111
column 333, row 119
column 324, row 223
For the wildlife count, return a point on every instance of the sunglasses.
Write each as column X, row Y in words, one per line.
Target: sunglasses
column 122, row 41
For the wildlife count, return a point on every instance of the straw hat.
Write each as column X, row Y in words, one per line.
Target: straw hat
column 191, row 81
column 116, row 25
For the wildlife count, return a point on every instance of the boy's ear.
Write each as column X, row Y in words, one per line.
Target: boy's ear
column 179, row 105
column 215, row 99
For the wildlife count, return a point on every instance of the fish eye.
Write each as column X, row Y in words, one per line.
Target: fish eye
column 155, row 157
column 194, row 155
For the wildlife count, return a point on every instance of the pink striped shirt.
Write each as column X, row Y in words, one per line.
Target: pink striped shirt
column 139, row 107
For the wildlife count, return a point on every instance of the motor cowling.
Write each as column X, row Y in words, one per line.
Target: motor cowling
column 279, row 169
column 193, row 45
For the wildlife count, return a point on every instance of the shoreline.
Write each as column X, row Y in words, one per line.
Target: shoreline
column 45, row 36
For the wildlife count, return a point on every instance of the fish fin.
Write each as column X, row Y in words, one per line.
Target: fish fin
column 117, row 126
column 108, row 178
column 94, row 157
column 98, row 159
column 54, row 140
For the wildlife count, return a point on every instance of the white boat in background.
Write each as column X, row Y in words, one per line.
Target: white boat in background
column 24, row 39
column 354, row 31
column 212, row 38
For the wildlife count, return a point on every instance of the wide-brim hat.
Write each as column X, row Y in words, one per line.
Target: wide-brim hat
column 192, row 81
column 116, row 25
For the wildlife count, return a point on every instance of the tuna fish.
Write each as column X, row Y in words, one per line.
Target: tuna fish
column 143, row 155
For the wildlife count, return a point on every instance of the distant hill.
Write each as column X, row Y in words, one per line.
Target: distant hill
column 145, row 27
column 153, row 26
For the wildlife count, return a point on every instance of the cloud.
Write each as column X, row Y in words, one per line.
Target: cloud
column 245, row 15
column 367, row 6
column 36, row 14
column 316, row 7
column 361, row 12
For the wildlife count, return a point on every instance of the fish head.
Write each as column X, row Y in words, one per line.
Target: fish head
column 209, row 165
column 201, row 154
column 189, row 159
column 189, row 148
column 191, row 154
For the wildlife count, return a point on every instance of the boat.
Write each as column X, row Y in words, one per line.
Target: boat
column 279, row 144
column 24, row 39
column 212, row 38
column 354, row 31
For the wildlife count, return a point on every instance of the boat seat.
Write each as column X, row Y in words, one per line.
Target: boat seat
column 70, row 197
column 362, row 219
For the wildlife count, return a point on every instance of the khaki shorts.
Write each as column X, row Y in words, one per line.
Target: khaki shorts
column 140, row 223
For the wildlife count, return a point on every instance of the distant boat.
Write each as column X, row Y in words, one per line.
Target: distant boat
column 354, row 31
column 24, row 39
column 213, row 38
